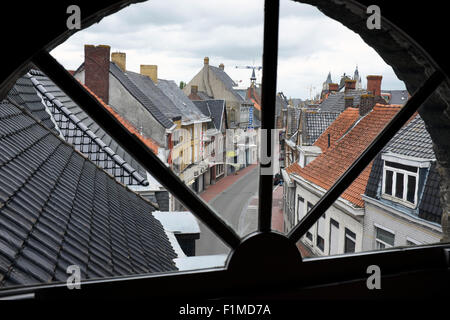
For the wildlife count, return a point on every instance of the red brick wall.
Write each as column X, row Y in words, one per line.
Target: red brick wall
column 96, row 68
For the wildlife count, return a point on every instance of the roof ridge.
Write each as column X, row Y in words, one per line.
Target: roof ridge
column 141, row 97
column 81, row 126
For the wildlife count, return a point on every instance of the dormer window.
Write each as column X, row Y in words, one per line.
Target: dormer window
column 400, row 183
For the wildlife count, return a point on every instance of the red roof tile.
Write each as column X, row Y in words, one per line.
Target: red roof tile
column 344, row 150
column 338, row 127
column 150, row 143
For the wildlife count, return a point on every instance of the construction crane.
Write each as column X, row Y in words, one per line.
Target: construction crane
column 253, row 77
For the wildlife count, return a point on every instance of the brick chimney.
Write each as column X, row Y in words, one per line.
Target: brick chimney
column 150, row 71
column 348, row 102
column 366, row 104
column 333, row 87
column 374, row 84
column 350, row 84
column 96, row 70
column 206, row 60
column 221, row 66
column 119, row 58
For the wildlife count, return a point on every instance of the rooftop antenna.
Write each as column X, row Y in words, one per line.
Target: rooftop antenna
column 253, row 76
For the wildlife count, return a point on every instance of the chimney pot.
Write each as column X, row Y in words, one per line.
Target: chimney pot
column 366, row 104
column 119, row 58
column 221, row 66
column 96, row 70
column 350, row 84
column 151, row 71
column 348, row 102
column 374, row 84
column 332, row 87
column 206, row 60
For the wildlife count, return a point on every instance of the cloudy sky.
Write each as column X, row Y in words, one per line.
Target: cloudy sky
column 176, row 35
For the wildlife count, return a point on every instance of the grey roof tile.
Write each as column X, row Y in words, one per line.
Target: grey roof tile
column 315, row 123
column 212, row 108
column 61, row 209
column 78, row 129
column 135, row 83
column 336, row 102
column 411, row 140
column 227, row 81
column 184, row 105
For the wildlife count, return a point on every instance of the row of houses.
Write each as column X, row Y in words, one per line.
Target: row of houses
column 394, row 201
column 189, row 131
column 71, row 195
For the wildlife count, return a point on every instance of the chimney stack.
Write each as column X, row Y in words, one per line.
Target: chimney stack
column 221, row 66
column 119, row 58
column 96, row 70
column 366, row 104
column 206, row 60
column 150, row 71
column 350, row 85
column 374, row 85
column 333, row 87
column 348, row 102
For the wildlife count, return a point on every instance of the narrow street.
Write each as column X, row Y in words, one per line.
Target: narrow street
column 230, row 197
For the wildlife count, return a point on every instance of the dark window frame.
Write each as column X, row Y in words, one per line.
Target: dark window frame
column 140, row 284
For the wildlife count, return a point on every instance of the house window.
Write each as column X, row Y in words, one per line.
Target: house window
column 219, row 170
column 350, row 241
column 320, row 242
column 300, row 209
column 384, row 238
column 334, row 237
column 309, row 233
column 412, row 242
column 400, row 182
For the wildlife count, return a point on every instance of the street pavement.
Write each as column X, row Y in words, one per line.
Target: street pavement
column 230, row 197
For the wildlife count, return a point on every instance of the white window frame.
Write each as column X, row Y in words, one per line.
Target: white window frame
column 349, row 237
column 405, row 173
column 378, row 241
column 414, row 241
column 311, row 230
column 320, row 232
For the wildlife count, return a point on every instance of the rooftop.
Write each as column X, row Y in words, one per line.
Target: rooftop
column 345, row 149
column 57, row 208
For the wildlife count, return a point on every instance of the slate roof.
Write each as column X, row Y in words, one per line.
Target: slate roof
column 214, row 109
column 203, row 96
column 187, row 109
column 227, row 81
column 135, row 83
column 23, row 93
column 412, row 140
column 86, row 135
column 338, row 128
column 57, row 208
column 334, row 161
column 335, row 101
column 430, row 207
column 314, row 124
column 397, row 96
